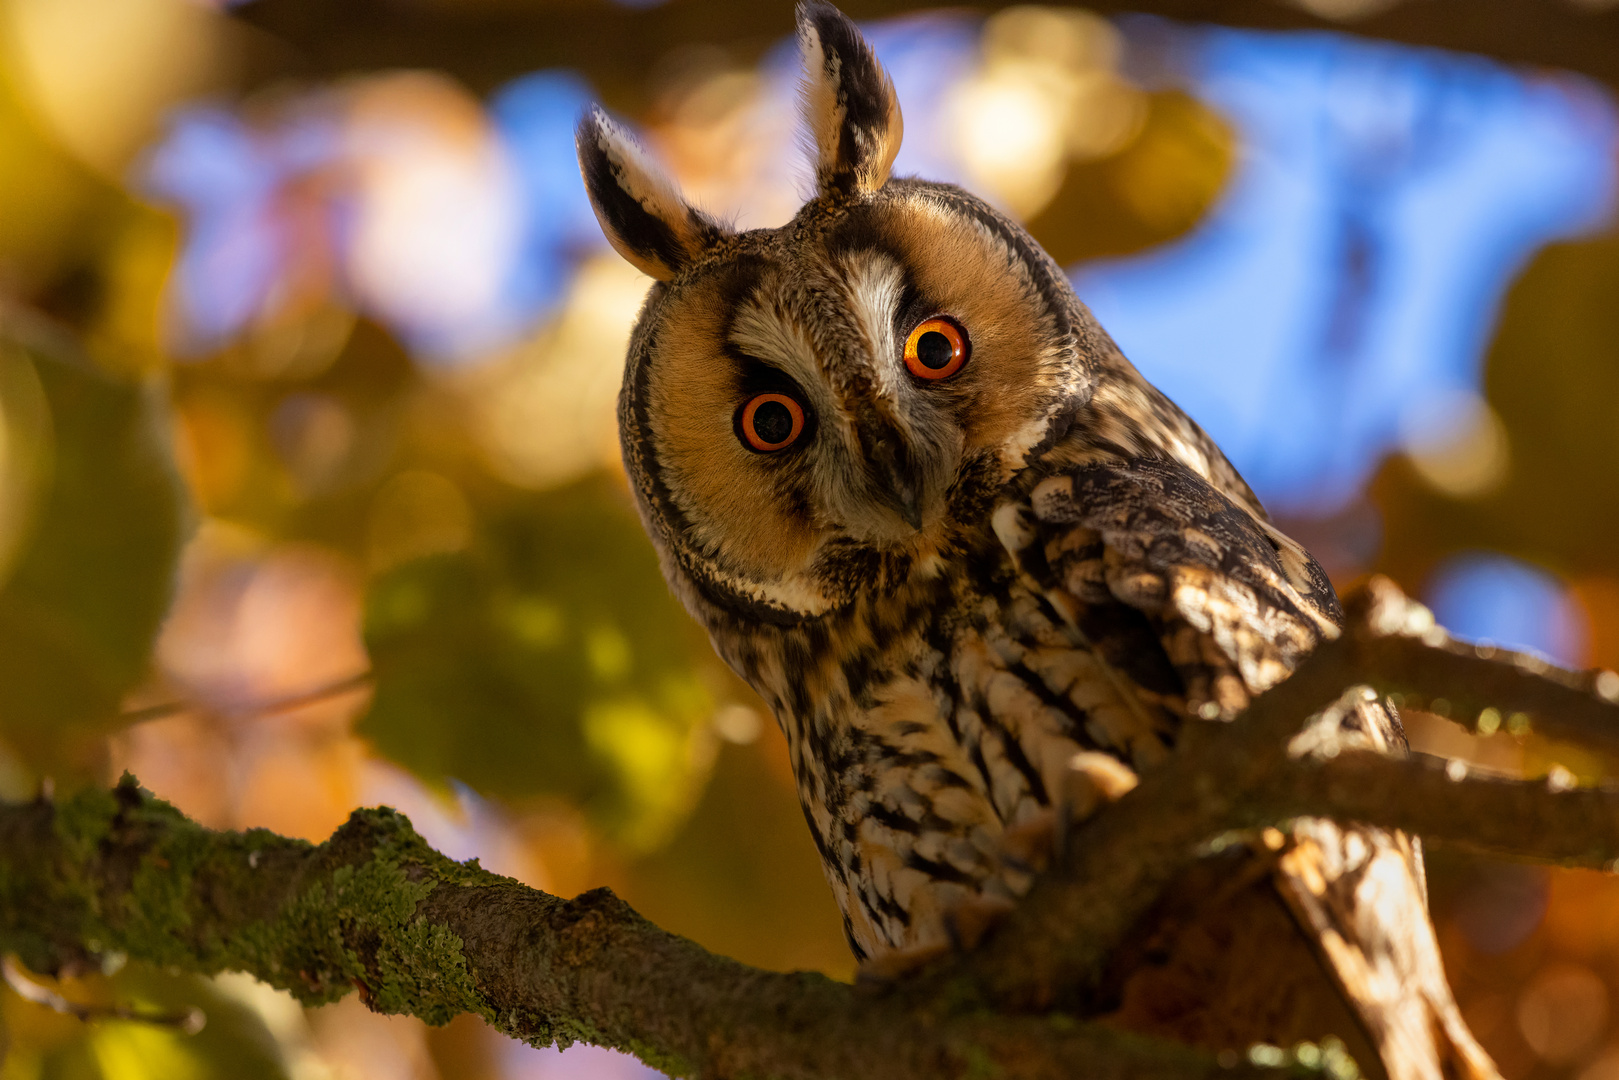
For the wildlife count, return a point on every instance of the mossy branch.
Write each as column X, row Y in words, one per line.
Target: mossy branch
column 375, row 909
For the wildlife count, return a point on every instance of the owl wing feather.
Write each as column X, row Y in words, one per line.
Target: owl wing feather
column 1237, row 606
column 1235, row 609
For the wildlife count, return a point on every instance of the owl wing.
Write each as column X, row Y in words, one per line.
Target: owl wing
column 1236, row 606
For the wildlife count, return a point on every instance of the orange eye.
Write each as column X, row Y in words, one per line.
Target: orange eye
column 771, row 422
column 936, row 349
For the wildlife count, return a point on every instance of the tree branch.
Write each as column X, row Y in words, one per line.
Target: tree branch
column 615, row 47
column 1521, row 819
column 374, row 908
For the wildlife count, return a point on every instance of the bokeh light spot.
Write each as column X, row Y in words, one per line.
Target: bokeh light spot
column 1457, row 442
column 1562, row 1011
column 1484, row 596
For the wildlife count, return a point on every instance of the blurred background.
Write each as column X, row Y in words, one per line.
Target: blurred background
column 309, row 490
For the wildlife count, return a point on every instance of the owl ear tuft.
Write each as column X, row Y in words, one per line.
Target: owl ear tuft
column 640, row 208
column 849, row 103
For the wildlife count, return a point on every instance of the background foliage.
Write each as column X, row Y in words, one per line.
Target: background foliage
column 308, row 485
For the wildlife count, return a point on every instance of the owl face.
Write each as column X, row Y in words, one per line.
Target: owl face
column 813, row 412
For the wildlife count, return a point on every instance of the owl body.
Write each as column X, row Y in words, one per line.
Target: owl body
column 933, row 698
column 927, row 509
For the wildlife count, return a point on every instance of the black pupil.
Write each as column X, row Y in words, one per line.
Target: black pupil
column 934, row 350
column 772, row 423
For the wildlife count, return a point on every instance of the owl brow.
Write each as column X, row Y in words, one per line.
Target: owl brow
column 859, row 232
column 759, row 376
column 876, row 280
column 772, row 336
column 1041, row 269
column 913, row 307
column 741, row 283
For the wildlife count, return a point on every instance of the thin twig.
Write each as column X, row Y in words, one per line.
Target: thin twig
column 1547, row 820
column 166, row 709
column 189, row 1020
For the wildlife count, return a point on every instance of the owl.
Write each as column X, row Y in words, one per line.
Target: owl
column 984, row 575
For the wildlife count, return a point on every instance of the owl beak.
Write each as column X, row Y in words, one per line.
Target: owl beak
column 896, row 479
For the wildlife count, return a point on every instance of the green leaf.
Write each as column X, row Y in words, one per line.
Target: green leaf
column 92, row 517
column 1550, row 375
column 548, row 660
column 235, row 1041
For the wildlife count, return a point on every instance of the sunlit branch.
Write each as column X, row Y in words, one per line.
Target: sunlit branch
column 1394, row 647
column 1543, row 820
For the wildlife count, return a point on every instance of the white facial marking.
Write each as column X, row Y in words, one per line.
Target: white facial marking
column 792, row 593
column 875, row 282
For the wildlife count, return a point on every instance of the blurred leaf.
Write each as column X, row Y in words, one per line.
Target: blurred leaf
column 58, row 212
column 742, row 876
column 1552, row 379
column 287, row 434
column 234, row 1043
column 549, row 659
column 25, row 434
column 1154, row 189
column 96, row 556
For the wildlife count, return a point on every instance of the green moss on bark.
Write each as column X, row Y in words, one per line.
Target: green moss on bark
column 129, row 873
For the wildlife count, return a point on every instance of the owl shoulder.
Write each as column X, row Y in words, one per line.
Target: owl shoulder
column 1236, row 604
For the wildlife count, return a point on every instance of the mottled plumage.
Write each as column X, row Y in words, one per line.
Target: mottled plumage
column 947, row 588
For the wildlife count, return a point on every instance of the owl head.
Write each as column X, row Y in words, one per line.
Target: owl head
column 815, row 412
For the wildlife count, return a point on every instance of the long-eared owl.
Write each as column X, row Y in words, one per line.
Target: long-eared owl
column 983, row 574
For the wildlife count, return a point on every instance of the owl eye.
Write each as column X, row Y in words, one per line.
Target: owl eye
column 770, row 422
column 936, row 349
